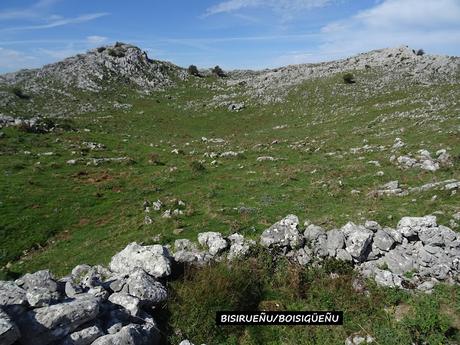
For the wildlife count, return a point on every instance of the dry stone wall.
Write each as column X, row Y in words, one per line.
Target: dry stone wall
column 115, row 305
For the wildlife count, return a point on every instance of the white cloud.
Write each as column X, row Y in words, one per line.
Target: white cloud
column 12, row 59
column 407, row 14
column 96, row 40
column 59, row 54
column 34, row 11
column 284, row 6
column 433, row 25
column 59, row 22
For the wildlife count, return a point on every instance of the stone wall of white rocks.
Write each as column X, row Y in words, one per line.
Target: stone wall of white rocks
column 115, row 305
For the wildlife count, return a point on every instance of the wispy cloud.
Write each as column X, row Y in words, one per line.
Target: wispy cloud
column 59, row 54
column 284, row 6
column 34, row 11
column 12, row 59
column 96, row 40
column 428, row 24
column 293, row 37
column 433, row 25
column 59, row 22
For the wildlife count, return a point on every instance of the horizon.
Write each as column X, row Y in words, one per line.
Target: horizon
column 111, row 44
column 234, row 34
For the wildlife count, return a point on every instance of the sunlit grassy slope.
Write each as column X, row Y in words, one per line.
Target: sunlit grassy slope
column 60, row 215
column 55, row 215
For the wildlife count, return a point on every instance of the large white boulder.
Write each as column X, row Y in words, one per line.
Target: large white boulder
column 155, row 260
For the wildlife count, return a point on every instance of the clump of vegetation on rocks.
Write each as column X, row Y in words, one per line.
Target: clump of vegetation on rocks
column 17, row 91
column 193, row 70
column 218, row 72
column 197, row 167
column 349, row 78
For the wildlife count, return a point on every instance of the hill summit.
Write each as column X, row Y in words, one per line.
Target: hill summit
column 99, row 68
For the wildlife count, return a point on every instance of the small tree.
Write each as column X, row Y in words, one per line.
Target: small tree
column 420, row 52
column 19, row 93
column 348, row 78
column 193, row 70
column 217, row 71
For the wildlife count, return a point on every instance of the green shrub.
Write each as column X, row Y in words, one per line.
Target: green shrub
column 117, row 52
column 218, row 72
column 19, row 93
column 337, row 266
column 349, row 78
column 205, row 291
column 193, row 70
column 197, row 167
column 427, row 325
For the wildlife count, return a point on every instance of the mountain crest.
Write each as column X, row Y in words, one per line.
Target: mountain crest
column 100, row 67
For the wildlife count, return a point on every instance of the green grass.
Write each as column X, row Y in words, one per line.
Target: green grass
column 259, row 283
column 54, row 215
column 84, row 213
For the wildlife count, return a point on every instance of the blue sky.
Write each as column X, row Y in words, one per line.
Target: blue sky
column 231, row 33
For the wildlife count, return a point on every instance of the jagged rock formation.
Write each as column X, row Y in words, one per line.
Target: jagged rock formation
column 60, row 85
column 123, row 65
column 397, row 63
column 96, row 70
column 115, row 305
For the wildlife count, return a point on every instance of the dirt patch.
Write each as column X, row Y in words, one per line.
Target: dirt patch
column 95, row 178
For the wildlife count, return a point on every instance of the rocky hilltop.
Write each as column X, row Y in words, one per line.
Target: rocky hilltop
column 96, row 70
column 398, row 64
column 55, row 89
column 123, row 67
column 116, row 305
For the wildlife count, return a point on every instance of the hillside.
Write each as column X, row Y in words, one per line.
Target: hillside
column 111, row 147
column 74, row 84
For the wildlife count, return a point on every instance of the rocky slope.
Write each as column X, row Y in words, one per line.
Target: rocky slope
column 397, row 64
column 97, row 69
column 105, row 69
column 123, row 67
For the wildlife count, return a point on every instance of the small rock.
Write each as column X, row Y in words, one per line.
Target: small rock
column 214, row 241
column 358, row 239
column 149, row 291
column 83, row 337
column 9, row 333
column 131, row 334
column 41, row 279
column 130, row 303
column 282, row 234
column 239, row 246
column 41, row 297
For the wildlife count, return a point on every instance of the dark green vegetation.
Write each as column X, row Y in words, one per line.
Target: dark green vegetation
column 218, row 72
column 348, row 78
column 389, row 315
column 55, row 215
column 193, row 70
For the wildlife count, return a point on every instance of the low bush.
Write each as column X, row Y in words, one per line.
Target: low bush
column 117, row 52
column 203, row 292
column 427, row 325
column 197, row 167
column 218, row 72
column 17, row 91
column 349, row 78
column 193, row 70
